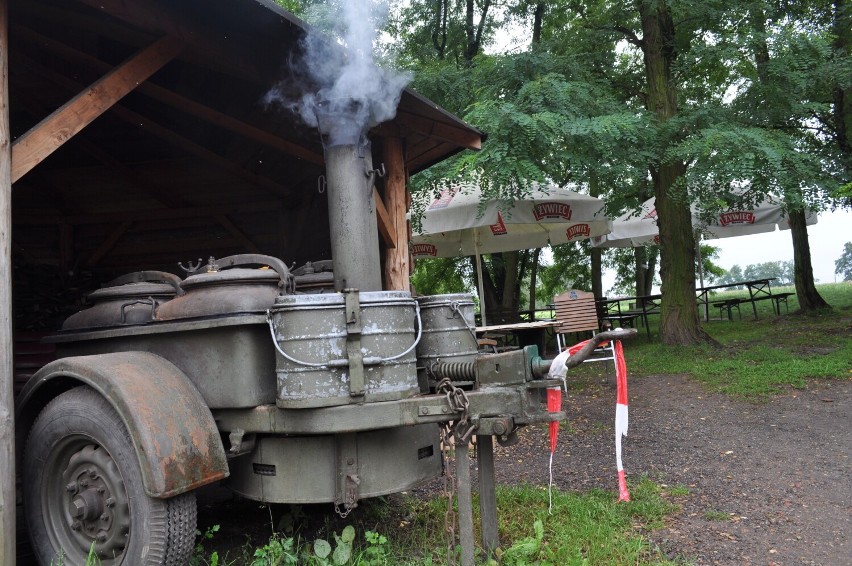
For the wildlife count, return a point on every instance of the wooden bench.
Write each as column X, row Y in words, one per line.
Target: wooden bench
column 729, row 305
column 781, row 298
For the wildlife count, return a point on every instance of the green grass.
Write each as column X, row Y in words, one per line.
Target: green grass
column 716, row 516
column 759, row 357
column 584, row 528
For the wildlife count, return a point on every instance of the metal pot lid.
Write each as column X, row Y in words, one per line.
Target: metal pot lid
column 132, row 291
column 236, row 276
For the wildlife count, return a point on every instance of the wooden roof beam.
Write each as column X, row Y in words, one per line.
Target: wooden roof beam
column 178, row 101
column 47, row 136
column 143, row 215
column 161, row 195
column 161, row 18
column 168, row 135
column 462, row 137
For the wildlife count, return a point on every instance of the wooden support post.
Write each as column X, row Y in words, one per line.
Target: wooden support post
column 465, row 502
column 7, row 411
column 487, row 495
column 396, row 258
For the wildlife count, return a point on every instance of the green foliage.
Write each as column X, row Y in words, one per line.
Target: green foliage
column 279, row 551
column 780, row 270
column 444, row 275
column 199, row 557
column 342, row 554
column 843, row 264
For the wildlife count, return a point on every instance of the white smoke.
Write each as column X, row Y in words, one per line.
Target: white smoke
column 349, row 79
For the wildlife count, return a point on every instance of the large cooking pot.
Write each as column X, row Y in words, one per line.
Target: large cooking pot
column 246, row 283
column 130, row 299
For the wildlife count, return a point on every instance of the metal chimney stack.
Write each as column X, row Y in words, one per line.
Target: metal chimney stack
column 351, row 210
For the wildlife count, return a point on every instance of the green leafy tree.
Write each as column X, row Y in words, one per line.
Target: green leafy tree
column 733, row 275
column 781, row 271
column 843, row 265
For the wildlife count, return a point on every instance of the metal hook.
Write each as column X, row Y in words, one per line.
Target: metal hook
column 321, row 184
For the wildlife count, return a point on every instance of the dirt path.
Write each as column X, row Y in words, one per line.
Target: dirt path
column 769, row 483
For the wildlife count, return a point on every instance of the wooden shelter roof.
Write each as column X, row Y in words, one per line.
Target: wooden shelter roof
column 140, row 136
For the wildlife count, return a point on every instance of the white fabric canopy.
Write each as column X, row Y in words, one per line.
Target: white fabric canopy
column 637, row 228
column 460, row 223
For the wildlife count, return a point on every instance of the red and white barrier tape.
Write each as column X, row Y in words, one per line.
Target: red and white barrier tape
column 554, row 404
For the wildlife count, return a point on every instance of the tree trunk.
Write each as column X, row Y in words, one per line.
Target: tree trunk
column 597, row 272
column 809, row 298
column 439, row 32
column 511, row 287
column 533, row 279
column 538, row 18
column 679, row 322
column 803, row 273
column 640, row 266
column 653, row 255
column 843, row 96
column 474, row 33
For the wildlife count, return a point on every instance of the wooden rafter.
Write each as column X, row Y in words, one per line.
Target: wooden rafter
column 238, row 234
column 142, row 215
column 462, row 137
column 166, row 134
column 109, row 243
column 228, row 51
column 48, row 135
column 178, row 101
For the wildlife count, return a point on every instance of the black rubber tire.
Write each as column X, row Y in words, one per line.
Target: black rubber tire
column 83, row 485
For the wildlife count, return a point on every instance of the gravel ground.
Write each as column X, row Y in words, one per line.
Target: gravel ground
column 769, row 482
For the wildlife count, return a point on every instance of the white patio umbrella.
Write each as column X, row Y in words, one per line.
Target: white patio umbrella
column 637, row 228
column 459, row 222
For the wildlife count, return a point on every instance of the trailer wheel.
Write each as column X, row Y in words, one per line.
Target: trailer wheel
column 83, row 491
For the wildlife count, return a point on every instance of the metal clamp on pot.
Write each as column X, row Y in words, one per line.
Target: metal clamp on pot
column 117, row 302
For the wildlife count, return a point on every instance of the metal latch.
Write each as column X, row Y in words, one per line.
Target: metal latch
column 353, row 342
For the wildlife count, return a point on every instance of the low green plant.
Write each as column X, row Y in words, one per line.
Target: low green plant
column 279, row 551
column 199, row 557
column 342, row 554
column 678, row 490
column 376, row 551
column 712, row 515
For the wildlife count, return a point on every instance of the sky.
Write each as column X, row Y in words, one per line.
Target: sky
column 826, row 238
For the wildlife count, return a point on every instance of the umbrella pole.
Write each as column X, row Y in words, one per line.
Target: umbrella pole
column 481, row 288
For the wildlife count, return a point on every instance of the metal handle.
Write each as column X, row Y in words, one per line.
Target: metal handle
column 372, row 360
column 286, row 282
column 148, row 301
column 148, row 277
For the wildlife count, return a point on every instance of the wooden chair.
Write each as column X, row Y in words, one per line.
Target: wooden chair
column 577, row 312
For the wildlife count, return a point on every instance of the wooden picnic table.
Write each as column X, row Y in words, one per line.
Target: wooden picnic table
column 758, row 290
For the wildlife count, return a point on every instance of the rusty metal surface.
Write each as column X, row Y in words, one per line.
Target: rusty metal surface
column 130, row 303
column 173, row 432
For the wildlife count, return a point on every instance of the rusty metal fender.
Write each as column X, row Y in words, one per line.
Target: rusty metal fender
column 174, row 434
